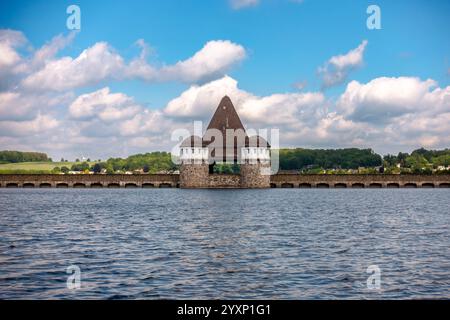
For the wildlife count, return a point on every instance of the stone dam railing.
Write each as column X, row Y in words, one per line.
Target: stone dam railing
column 89, row 180
column 172, row 181
column 359, row 181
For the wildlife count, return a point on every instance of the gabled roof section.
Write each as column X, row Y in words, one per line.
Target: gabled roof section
column 225, row 117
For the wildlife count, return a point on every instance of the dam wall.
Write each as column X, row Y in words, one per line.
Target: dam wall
column 89, row 180
column 359, row 181
column 222, row 181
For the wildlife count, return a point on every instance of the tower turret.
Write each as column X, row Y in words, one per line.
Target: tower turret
column 225, row 141
column 194, row 163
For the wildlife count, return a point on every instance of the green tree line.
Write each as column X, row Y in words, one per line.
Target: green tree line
column 18, row 156
column 419, row 161
column 148, row 162
column 298, row 159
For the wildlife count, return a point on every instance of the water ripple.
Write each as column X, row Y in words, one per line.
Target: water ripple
column 229, row 244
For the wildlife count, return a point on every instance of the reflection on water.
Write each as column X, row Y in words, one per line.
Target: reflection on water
column 287, row 244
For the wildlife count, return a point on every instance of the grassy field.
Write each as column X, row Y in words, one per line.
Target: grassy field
column 37, row 165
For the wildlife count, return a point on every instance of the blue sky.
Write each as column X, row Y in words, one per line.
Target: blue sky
column 285, row 41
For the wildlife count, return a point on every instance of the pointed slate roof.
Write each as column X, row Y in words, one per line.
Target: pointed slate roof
column 225, row 117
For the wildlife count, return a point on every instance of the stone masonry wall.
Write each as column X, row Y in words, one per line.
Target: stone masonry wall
column 360, row 180
column 223, row 181
column 252, row 176
column 202, row 178
column 194, row 175
column 88, row 180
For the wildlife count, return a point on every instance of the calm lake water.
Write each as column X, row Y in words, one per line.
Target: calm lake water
column 230, row 244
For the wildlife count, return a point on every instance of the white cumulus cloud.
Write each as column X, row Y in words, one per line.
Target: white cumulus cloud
column 103, row 104
column 385, row 98
column 101, row 62
column 212, row 61
column 39, row 125
column 10, row 40
column 93, row 65
column 39, row 109
column 336, row 70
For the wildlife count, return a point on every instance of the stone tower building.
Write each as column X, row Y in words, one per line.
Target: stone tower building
column 225, row 141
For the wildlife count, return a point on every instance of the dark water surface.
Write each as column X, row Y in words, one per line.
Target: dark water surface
column 231, row 244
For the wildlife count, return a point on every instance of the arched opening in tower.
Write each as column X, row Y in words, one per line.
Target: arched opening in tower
column 225, row 168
